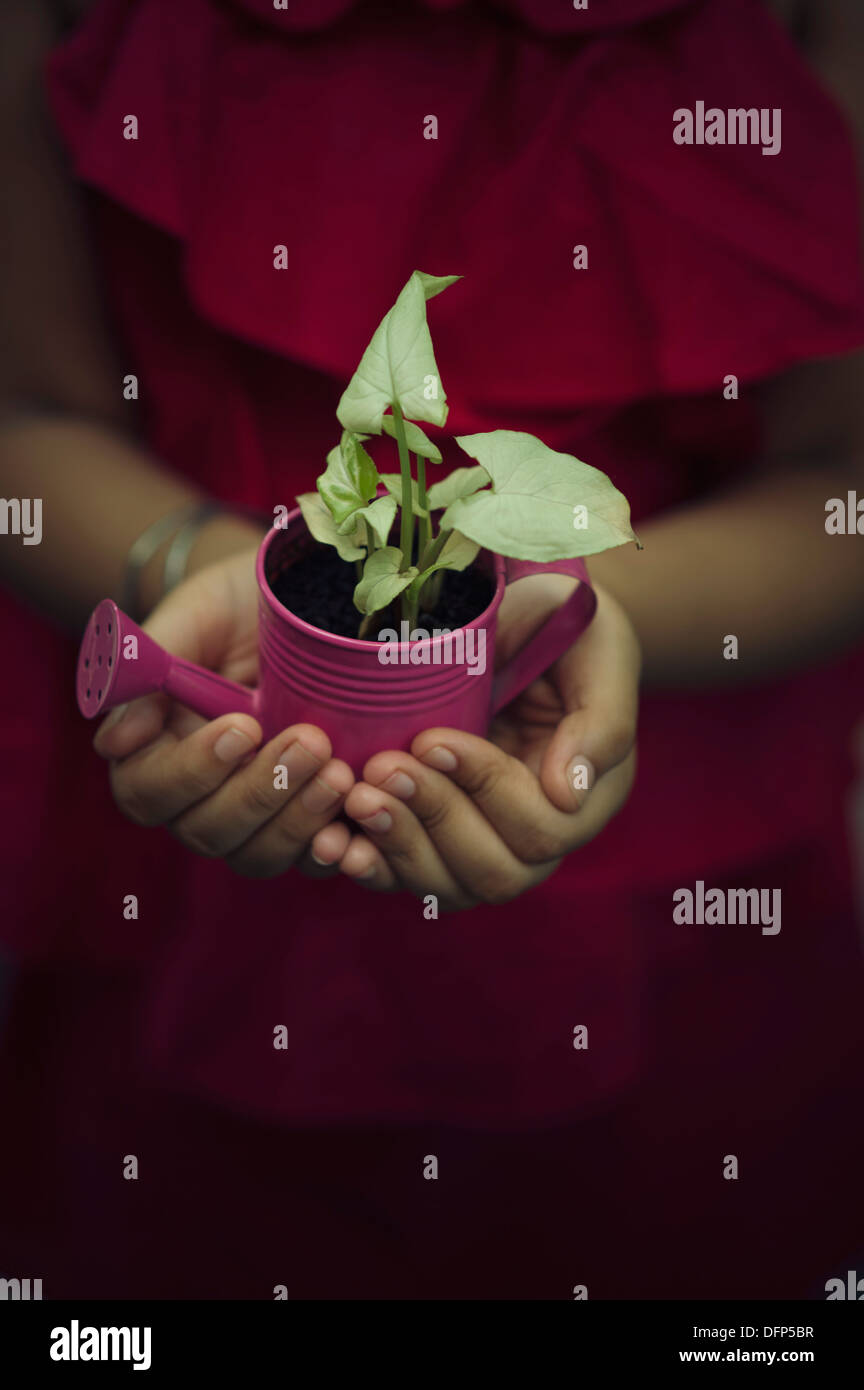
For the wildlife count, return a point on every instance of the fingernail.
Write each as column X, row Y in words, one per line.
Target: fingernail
column 325, row 863
column 114, row 718
column 400, row 784
column 378, row 823
column 231, row 745
column 297, row 761
column 318, row 797
column 441, row 759
column 581, row 777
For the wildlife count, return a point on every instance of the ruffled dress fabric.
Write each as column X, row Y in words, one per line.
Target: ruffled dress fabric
column 304, row 127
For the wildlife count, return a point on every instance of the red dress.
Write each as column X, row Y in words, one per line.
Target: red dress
column 603, row 1166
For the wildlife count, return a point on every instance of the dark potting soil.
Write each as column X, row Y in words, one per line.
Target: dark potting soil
column 319, row 588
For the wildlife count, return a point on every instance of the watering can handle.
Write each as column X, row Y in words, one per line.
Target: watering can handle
column 558, row 633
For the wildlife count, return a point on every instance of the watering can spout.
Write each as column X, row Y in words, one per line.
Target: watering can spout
column 119, row 662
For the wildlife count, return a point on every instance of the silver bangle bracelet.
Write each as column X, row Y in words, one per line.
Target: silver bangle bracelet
column 186, row 523
column 178, row 550
column 141, row 552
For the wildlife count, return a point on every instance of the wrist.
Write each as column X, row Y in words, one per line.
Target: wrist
column 221, row 536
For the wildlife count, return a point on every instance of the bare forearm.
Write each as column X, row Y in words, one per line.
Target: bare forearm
column 756, row 564
column 98, row 490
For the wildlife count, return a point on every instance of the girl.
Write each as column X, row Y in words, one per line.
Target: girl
column 557, row 1089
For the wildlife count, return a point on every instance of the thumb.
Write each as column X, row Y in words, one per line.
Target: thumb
column 598, row 681
column 191, row 624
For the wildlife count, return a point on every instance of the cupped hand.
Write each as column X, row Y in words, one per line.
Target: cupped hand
column 213, row 784
column 473, row 820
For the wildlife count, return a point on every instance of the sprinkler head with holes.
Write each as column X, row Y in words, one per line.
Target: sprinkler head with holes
column 119, row 662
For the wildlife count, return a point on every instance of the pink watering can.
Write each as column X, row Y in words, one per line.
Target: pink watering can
column 310, row 676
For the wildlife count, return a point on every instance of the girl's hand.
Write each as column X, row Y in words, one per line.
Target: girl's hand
column 211, row 784
column 471, row 820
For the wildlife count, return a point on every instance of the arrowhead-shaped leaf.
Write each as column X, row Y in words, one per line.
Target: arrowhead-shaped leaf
column 533, row 511
column 399, row 364
column 461, row 483
column 350, row 479
column 382, row 580
column 379, row 515
column 317, row 516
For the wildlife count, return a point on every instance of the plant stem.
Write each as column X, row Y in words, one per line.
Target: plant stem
column 433, row 550
column 406, row 520
column 431, row 590
column 424, row 523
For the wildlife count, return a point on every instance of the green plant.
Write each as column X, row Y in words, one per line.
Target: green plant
column 520, row 498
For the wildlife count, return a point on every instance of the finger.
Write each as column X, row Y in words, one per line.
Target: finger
column 285, row 838
column 599, row 683
column 476, row 855
column 365, row 863
column 260, row 789
column 196, row 631
column 410, row 854
column 504, row 795
column 321, row 857
column 605, row 801
column 327, row 847
column 131, row 726
column 157, row 783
